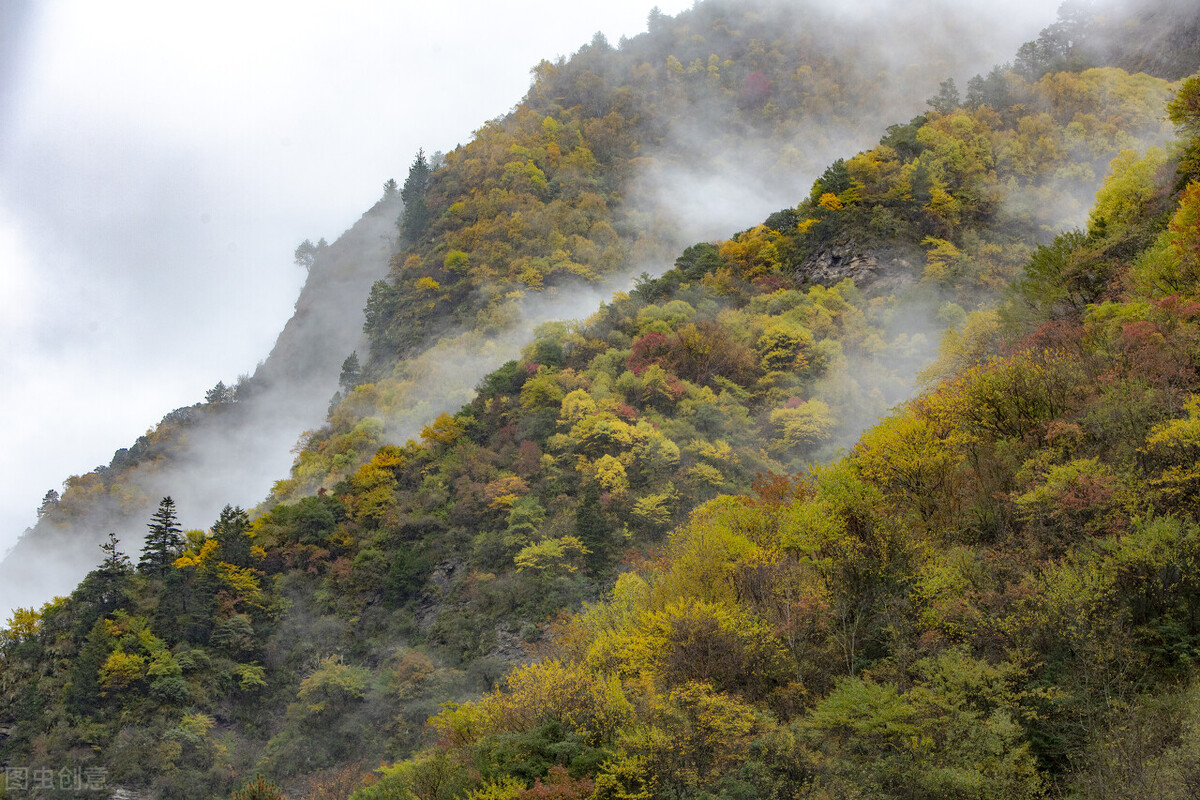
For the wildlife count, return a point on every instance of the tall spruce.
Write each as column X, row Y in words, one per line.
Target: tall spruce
column 163, row 543
column 231, row 534
column 415, row 217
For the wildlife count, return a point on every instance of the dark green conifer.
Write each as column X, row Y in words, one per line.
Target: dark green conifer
column 592, row 528
column 351, row 373
column 163, row 543
column 415, row 217
column 231, row 531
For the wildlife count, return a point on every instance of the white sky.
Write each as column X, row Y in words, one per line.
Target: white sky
column 159, row 164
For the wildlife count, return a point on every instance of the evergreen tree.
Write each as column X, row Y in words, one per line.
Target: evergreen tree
column 104, row 587
column 415, row 217
column 163, row 543
column 81, row 695
column 49, row 501
column 991, row 91
column 351, row 373
column 115, row 563
column 231, row 531
column 219, row 394
column 111, row 575
column 947, row 98
column 592, row 528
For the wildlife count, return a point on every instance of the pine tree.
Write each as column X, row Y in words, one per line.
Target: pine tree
column 415, row 217
column 219, row 394
column 947, row 98
column 231, row 533
column 351, row 373
column 163, row 543
column 49, row 502
column 111, row 575
column 592, row 527
column 115, row 562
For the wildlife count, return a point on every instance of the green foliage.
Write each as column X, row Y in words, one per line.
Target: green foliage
column 992, row 594
column 948, row 736
column 163, row 543
column 416, row 215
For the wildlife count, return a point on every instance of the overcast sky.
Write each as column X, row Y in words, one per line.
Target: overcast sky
column 160, row 162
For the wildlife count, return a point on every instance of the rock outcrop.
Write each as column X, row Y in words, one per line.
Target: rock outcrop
column 877, row 271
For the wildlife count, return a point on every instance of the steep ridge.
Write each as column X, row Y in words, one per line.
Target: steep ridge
column 230, row 449
column 796, row 641
column 992, row 595
column 761, row 95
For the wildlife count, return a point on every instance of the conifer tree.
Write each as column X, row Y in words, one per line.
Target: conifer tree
column 592, row 528
column 947, row 99
column 415, row 217
column 231, row 533
column 219, row 394
column 113, row 571
column 49, row 502
column 115, row 562
column 164, row 542
column 351, row 373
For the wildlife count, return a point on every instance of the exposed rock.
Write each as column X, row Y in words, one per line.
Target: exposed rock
column 879, row 271
column 125, row 793
column 509, row 647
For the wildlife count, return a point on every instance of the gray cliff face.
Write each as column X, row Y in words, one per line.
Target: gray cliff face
column 872, row 270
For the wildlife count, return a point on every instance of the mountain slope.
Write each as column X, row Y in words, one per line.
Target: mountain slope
column 992, row 595
column 229, row 449
column 818, row 635
column 762, row 96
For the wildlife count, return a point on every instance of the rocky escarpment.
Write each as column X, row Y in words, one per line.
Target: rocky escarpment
column 880, row 271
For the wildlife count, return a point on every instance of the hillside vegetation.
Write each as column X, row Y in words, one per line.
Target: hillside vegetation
column 991, row 595
column 618, row 158
column 709, row 541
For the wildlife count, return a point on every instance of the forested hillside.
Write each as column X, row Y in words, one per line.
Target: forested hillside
column 590, row 180
column 236, row 441
column 669, row 549
column 992, row 595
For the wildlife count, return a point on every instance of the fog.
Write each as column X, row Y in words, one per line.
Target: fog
column 160, row 163
column 159, row 167
column 710, row 189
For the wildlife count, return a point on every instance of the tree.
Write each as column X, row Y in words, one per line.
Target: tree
column 947, row 99
column 415, row 217
column 306, row 254
column 230, row 533
column 351, row 373
column 164, row 542
column 49, row 501
column 835, row 180
column 260, row 789
column 116, row 564
column 990, row 91
column 1184, row 111
column 1184, row 108
column 390, row 189
column 591, row 526
column 219, row 394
